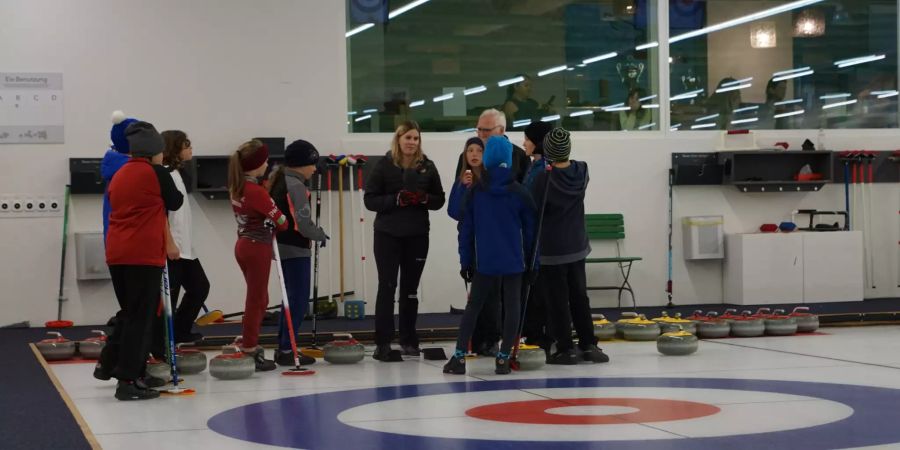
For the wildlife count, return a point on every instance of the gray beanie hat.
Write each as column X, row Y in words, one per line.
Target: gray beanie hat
column 557, row 145
column 144, row 140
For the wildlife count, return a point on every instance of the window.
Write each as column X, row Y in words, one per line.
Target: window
column 783, row 64
column 584, row 65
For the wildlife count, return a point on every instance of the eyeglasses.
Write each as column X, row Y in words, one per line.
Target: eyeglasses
column 487, row 130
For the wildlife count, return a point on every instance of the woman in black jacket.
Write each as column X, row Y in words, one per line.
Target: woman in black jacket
column 401, row 189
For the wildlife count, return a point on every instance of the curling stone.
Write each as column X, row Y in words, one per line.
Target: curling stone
column 710, row 326
column 56, row 348
column 730, row 315
column 91, row 347
column 531, row 357
column 640, row 329
column 670, row 324
column 806, row 321
column 346, row 351
column 190, row 361
column 780, row 324
column 159, row 369
column 747, row 325
column 677, row 343
column 234, row 366
column 604, row 329
column 620, row 324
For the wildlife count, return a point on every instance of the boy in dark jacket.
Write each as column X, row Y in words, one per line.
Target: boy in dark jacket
column 564, row 247
column 498, row 223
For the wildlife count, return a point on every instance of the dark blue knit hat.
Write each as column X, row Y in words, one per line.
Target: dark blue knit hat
column 117, row 133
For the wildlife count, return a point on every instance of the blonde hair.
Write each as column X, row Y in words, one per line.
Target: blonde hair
column 404, row 128
column 236, row 171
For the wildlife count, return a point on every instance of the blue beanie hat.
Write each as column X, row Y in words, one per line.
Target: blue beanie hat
column 497, row 153
column 117, row 133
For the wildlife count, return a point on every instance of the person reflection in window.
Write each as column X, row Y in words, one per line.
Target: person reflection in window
column 520, row 106
column 775, row 92
column 724, row 103
column 636, row 116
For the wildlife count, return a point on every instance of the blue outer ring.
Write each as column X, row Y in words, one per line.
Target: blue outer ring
column 311, row 422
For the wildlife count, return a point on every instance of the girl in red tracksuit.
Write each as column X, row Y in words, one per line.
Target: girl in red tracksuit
column 257, row 218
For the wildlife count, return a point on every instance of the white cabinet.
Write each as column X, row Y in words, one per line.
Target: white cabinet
column 802, row 267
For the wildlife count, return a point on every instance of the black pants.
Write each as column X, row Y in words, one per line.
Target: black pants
column 535, row 328
column 488, row 328
column 187, row 274
column 484, row 288
column 137, row 291
column 406, row 255
column 564, row 290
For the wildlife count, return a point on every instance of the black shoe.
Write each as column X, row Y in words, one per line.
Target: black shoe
column 410, row 350
column 594, row 354
column 566, row 358
column 190, row 337
column 489, row 349
column 381, row 352
column 100, row 373
column 129, row 390
column 456, row 365
column 259, row 357
column 501, row 364
column 287, row 359
column 148, row 382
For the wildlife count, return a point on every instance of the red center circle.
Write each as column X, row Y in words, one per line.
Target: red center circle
column 649, row 410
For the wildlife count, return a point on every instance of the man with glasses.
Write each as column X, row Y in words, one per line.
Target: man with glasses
column 493, row 123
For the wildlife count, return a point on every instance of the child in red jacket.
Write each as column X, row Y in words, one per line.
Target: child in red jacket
column 139, row 195
column 257, row 218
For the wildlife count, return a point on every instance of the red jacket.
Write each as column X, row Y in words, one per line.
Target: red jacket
column 139, row 195
column 253, row 209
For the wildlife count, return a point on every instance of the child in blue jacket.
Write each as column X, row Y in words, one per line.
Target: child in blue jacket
column 497, row 224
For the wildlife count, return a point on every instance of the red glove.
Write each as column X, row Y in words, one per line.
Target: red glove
column 407, row 198
column 421, row 197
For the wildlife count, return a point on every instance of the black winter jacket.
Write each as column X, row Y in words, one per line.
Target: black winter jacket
column 382, row 186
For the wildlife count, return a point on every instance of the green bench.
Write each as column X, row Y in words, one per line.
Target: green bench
column 611, row 227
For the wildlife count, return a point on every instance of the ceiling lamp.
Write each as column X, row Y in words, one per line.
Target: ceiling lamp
column 763, row 35
column 809, row 23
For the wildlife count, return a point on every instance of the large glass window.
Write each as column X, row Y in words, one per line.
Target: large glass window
column 582, row 64
column 764, row 64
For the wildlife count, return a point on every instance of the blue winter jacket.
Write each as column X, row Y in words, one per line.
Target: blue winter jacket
column 454, row 202
column 111, row 163
column 497, row 224
column 536, row 168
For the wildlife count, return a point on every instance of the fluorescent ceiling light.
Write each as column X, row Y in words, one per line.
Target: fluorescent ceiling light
column 832, row 96
column 474, row 90
column 649, row 97
column 569, row 69
column 882, row 92
column 441, row 98
column 748, row 108
column 736, row 82
column 617, row 108
column 888, row 94
column 709, row 117
column 744, row 19
column 509, row 81
column 651, row 106
column 552, row 70
column 581, row 113
column 351, row 113
column 467, row 130
column 835, row 105
column 789, row 102
column 360, row 119
column 686, row 95
column 406, row 8
column 793, row 75
column 703, row 125
column 788, row 114
column 550, row 118
column 368, row 111
column 733, row 88
column 788, row 72
column 417, row 103
column 649, row 125
column 748, row 120
column 675, row 127
column 594, row 59
column 581, row 65
column 647, row 45
column 860, row 60
column 359, row 29
column 521, row 123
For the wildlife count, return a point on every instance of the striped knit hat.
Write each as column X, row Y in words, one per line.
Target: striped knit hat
column 557, row 145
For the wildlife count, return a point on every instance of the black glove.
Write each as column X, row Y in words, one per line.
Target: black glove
column 323, row 242
column 269, row 225
column 467, row 273
column 531, row 276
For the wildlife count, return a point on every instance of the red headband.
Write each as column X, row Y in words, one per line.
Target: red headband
column 260, row 156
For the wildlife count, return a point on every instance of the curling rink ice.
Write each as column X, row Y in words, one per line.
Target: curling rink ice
column 839, row 388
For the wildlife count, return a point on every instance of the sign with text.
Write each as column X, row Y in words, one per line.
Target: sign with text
column 31, row 108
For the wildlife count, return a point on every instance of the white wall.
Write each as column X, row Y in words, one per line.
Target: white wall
column 228, row 70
